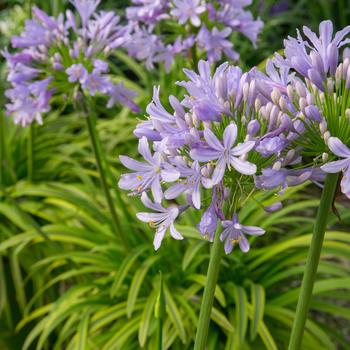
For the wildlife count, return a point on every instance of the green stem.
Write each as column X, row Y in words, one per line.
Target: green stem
column 30, row 153
column 194, row 58
column 98, row 156
column 160, row 312
column 2, row 149
column 208, row 295
column 312, row 261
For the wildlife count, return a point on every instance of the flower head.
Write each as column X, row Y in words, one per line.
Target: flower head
column 57, row 56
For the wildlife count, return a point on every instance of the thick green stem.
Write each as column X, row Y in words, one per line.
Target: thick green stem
column 2, row 149
column 160, row 312
column 208, row 295
column 97, row 151
column 30, row 153
column 312, row 262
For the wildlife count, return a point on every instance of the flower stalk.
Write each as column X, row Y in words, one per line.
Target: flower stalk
column 312, row 261
column 30, row 153
column 2, row 149
column 208, row 295
column 101, row 169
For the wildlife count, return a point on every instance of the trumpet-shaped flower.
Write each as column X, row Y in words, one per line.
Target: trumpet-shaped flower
column 225, row 153
column 147, row 174
column 162, row 220
column 186, row 10
column 234, row 233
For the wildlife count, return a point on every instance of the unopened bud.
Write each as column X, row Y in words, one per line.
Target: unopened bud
column 275, row 96
column 257, row 104
column 245, row 90
column 283, row 104
column 253, row 127
column 330, row 85
column 323, row 127
column 277, row 165
column 326, row 136
column 300, row 88
column 289, row 156
column 347, row 113
column 290, row 92
column 324, row 157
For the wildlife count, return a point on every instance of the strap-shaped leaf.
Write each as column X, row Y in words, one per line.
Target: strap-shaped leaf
column 258, row 306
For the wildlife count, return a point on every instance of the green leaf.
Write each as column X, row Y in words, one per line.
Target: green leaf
column 146, row 318
column 174, row 314
column 241, row 315
column 137, row 282
column 258, row 306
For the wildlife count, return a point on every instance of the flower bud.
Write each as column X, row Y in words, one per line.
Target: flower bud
column 275, row 96
column 277, row 165
column 253, row 127
column 290, row 92
column 283, row 104
column 323, row 126
column 324, row 157
column 300, row 88
column 257, row 104
column 326, row 136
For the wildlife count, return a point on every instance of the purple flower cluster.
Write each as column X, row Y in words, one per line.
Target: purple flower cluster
column 234, row 133
column 61, row 55
column 160, row 30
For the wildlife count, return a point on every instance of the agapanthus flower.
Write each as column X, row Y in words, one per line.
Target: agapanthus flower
column 60, row 56
column 209, row 144
column 162, row 219
column 234, row 233
column 186, row 10
column 308, row 88
column 207, row 32
column 225, row 154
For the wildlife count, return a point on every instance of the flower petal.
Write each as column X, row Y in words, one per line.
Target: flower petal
column 243, row 148
column 174, row 191
column 143, row 149
column 149, row 204
column 158, row 238
column 338, row 148
column 252, row 230
column 244, row 244
column 219, row 171
column 336, row 166
column 133, row 164
column 212, row 140
column 196, row 195
column 242, row 166
column 157, row 190
column 230, row 135
column 204, row 154
column 175, row 233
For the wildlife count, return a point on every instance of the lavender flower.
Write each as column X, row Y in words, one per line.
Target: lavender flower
column 186, row 10
column 234, row 234
column 76, row 73
column 202, row 147
column 148, row 174
column 162, row 220
column 318, row 56
column 150, row 45
column 43, row 44
column 225, row 153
